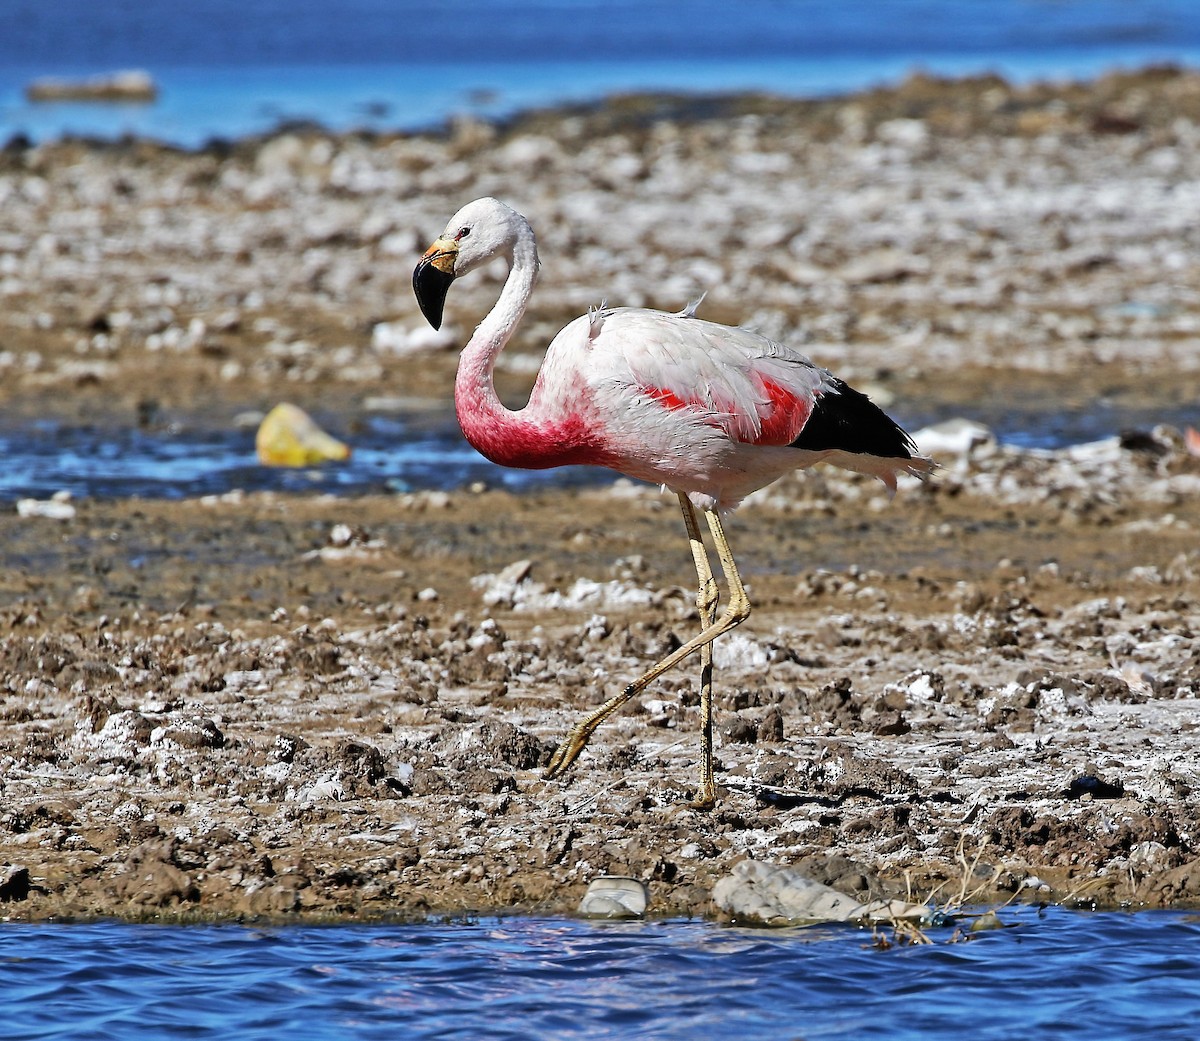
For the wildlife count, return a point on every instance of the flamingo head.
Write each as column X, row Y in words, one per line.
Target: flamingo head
column 480, row 231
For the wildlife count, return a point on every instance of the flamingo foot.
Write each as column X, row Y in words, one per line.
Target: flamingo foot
column 706, row 802
column 566, row 754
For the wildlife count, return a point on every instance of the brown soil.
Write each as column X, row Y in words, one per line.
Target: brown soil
column 271, row 706
column 210, row 710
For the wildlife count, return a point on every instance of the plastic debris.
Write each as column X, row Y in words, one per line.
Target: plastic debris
column 288, row 436
column 614, row 896
column 770, row 894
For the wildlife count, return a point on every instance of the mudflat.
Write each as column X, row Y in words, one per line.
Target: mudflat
column 266, row 705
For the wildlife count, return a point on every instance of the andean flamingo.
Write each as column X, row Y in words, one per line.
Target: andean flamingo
column 710, row 411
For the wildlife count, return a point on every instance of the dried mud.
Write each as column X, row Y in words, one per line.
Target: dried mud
column 273, row 706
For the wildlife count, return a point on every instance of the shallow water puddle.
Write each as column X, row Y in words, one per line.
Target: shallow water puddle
column 182, row 462
column 389, row 454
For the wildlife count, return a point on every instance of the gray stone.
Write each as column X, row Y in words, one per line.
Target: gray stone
column 770, row 894
column 614, row 896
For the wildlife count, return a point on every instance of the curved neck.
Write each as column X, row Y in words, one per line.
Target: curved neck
column 483, row 418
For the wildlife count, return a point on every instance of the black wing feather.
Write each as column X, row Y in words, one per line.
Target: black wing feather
column 846, row 419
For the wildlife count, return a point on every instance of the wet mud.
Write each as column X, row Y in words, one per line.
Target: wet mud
column 253, row 707
column 273, row 705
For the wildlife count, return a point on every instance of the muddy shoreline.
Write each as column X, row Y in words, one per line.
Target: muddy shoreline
column 244, row 708
column 271, row 706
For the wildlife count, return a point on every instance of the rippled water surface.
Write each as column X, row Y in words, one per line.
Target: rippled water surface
column 391, row 453
column 1054, row 974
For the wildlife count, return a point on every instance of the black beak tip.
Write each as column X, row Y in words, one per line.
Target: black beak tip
column 433, row 315
column 430, row 287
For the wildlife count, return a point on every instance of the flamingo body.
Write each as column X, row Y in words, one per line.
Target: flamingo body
column 709, row 411
column 703, row 408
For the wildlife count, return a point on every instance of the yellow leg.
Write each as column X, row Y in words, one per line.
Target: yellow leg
column 736, row 611
column 707, row 597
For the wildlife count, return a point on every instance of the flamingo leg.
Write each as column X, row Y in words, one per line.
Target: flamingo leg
column 737, row 610
column 707, row 597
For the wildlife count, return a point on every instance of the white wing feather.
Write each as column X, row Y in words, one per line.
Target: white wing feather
column 697, row 361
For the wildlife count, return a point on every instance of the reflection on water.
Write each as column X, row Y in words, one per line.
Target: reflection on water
column 1055, row 974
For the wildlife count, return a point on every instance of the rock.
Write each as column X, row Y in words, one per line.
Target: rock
column 883, row 265
column 124, row 87
column 149, row 877
column 739, row 731
column 614, row 896
column 272, row 899
column 908, row 133
column 502, row 589
column 194, row 733
column 399, row 340
column 767, row 894
column 770, row 727
column 1095, row 787
column 511, row 745
column 986, row 922
column 128, row 727
column 14, row 883
column 954, row 437
column 250, row 419
column 55, row 508
column 289, row 437
column 891, row 724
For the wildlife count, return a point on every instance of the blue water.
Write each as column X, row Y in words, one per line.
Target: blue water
column 176, row 462
column 228, row 67
column 1054, row 975
column 403, row 453
column 399, row 454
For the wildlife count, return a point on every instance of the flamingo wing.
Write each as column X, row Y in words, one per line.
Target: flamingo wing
column 753, row 389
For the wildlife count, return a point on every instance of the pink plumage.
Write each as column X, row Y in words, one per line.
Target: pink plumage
column 710, row 411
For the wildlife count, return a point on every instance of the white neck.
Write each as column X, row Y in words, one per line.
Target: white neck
column 482, row 416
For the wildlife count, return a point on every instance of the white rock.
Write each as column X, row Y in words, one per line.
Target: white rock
column 908, row 133
column 325, row 789
column 771, row 894
column 953, row 437
column 921, row 689
column 738, row 651
column 53, row 509
column 397, row 339
column 615, row 896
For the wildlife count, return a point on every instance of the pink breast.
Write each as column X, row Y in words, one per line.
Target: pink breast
column 567, row 441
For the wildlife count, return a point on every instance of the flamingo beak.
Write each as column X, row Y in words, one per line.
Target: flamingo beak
column 432, row 278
